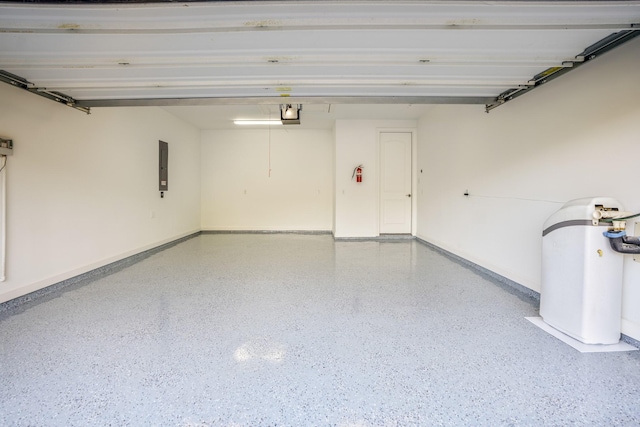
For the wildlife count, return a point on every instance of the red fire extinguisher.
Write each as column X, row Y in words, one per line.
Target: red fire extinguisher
column 357, row 172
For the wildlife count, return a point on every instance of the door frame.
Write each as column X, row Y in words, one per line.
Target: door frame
column 414, row 168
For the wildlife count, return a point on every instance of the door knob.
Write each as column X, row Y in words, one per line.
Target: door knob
column 408, row 195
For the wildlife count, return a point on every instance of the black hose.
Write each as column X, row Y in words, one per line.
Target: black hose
column 625, row 244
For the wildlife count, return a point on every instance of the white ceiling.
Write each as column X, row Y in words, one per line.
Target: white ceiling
column 242, row 58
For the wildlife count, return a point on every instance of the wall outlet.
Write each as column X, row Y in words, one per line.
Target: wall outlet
column 6, row 146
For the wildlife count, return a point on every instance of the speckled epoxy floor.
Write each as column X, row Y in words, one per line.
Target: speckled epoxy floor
column 299, row 330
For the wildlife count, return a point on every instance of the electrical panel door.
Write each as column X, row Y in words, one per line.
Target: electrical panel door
column 164, row 166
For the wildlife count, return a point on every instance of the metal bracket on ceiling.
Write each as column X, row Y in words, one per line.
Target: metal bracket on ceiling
column 592, row 52
column 21, row 83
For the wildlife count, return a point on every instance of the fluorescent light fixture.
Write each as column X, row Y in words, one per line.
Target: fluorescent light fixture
column 289, row 115
column 257, row 122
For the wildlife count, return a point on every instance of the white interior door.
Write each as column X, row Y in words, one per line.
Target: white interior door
column 395, row 183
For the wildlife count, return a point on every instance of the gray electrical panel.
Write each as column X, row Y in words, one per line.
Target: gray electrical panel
column 164, row 166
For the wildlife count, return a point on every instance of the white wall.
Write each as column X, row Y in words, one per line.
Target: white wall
column 82, row 190
column 357, row 204
column 261, row 179
column 577, row 136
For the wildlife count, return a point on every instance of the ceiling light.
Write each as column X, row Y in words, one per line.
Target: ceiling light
column 290, row 114
column 257, row 122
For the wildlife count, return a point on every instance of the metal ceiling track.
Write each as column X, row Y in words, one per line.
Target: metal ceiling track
column 86, row 105
column 274, row 100
column 21, row 83
column 592, row 52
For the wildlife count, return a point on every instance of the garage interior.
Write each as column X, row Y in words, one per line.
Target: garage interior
column 508, row 110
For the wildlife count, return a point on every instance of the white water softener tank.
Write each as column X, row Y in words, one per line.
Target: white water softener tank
column 581, row 289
